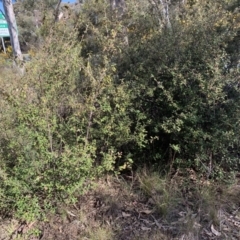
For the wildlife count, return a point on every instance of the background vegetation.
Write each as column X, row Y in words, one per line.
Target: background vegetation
column 109, row 92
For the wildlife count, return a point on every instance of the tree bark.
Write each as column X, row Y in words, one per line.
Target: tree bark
column 12, row 26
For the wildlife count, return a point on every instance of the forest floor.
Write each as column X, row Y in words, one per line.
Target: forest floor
column 141, row 206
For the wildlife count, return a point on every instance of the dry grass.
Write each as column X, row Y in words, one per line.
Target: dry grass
column 160, row 192
column 146, row 206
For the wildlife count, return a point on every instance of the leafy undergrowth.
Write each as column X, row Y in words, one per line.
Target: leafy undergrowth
column 141, row 206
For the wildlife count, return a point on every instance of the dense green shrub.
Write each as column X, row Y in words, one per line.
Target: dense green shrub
column 69, row 123
column 180, row 83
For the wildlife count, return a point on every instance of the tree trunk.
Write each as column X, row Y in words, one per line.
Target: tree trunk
column 165, row 13
column 119, row 6
column 12, row 26
column 56, row 12
column 162, row 9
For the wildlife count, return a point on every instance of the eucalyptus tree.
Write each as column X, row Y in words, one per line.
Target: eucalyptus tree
column 12, row 26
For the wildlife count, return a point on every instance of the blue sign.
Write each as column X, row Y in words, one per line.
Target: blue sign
column 4, row 32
